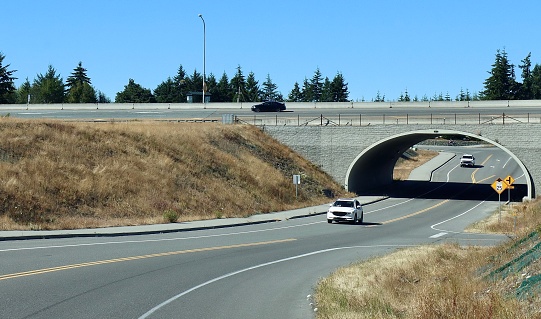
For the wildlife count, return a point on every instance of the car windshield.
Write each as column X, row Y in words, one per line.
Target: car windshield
column 343, row 203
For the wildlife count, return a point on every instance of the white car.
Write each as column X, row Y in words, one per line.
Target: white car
column 467, row 160
column 345, row 210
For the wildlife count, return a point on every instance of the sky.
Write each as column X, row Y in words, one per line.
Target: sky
column 424, row 47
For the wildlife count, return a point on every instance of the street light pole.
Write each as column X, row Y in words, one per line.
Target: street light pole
column 204, row 54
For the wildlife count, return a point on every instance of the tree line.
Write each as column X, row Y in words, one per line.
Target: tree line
column 50, row 87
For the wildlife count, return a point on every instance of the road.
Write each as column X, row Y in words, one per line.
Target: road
column 253, row 271
column 440, row 115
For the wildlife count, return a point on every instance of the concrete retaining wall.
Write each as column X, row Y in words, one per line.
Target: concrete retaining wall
column 335, row 148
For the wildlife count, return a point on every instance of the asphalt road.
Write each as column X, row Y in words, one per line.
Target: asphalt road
column 105, row 112
column 253, row 271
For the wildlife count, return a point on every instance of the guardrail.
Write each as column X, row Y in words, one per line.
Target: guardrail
column 281, row 119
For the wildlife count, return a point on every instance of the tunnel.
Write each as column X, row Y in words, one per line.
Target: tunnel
column 371, row 172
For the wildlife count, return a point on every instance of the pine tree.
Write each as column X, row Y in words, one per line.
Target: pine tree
column 316, row 85
column 238, row 83
column 223, row 92
column 269, row 92
column 501, row 84
column 253, row 92
column 307, row 91
column 339, row 89
column 79, row 89
column 48, row 88
column 295, row 95
column 526, row 87
column 379, row 98
column 7, row 86
column 24, row 92
column 134, row 93
column 166, row 92
column 326, row 91
column 536, row 82
column 180, row 90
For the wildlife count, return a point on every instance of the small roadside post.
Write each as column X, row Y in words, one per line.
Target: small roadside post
column 499, row 186
column 297, row 182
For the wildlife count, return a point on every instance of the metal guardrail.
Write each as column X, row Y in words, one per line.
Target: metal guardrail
column 390, row 119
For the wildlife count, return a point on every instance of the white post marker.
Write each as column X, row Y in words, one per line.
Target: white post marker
column 297, row 182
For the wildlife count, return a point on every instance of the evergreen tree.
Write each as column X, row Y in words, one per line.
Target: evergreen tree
column 134, row 93
column 102, row 98
column 79, row 89
column 316, row 84
column 269, row 91
column 238, row 84
column 379, row 98
column 211, row 85
column 252, row 88
column 180, row 89
column 295, row 95
column 326, row 91
column 194, row 83
column 536, row 82
column 24, row 92
column 7, row 85
column 167, row 92
column 307, row 92
column 48, row 88
column 339, row 89
column 526, row 87
column 501, row 84
column 223, row 91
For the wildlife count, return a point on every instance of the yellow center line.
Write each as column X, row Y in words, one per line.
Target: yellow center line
column 416, row 213
column 116, row 260
column 475, row 171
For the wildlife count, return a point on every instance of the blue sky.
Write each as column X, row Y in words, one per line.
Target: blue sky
column 390, row 46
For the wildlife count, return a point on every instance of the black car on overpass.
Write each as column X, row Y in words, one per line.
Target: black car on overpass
column 269, row 106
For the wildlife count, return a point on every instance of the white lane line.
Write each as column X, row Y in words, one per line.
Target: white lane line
column 170, row 300
column 459, row 215
column 438, row 235
column 159, row 240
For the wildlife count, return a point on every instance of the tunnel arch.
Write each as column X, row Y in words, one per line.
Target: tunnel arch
column 374, row 166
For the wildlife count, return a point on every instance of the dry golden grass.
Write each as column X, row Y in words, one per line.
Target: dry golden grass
column 442, row 281
column 60, row 175
column 404, row 166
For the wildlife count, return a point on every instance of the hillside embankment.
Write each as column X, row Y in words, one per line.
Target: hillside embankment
column 68, row 175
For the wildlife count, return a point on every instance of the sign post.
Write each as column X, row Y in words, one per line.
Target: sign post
column 499, row 186
column 297, row 182
column 509, row 180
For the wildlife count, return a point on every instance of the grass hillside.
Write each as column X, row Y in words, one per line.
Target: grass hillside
column 66, row 175
column 448, row 280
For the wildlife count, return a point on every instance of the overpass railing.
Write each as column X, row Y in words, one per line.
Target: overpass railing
column 281, row 119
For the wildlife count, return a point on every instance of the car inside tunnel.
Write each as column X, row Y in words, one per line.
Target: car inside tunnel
column 372, row 171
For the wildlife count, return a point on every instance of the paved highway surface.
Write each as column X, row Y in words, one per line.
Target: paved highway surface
column 263, row 270
column 108, row 112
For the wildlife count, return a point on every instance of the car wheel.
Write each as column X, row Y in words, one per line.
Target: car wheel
column 329, row 221
column 362, row 218
column 256, row 110
column 355, row 220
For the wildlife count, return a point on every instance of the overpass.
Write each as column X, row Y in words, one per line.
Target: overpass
column 363, row 157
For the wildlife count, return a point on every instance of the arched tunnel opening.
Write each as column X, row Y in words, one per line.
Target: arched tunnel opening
column 371, row 173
